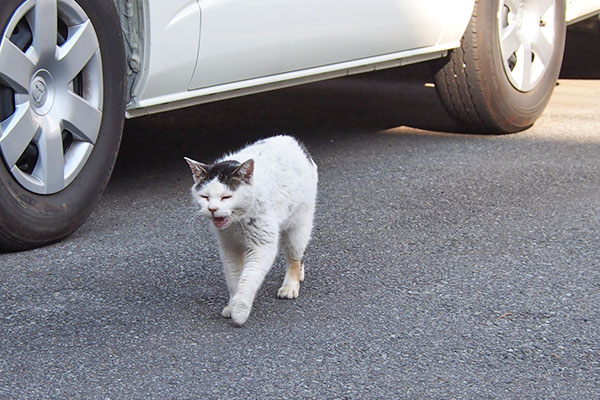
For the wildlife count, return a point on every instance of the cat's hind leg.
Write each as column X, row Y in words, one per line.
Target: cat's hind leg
column 293, row 242
column 290, row 289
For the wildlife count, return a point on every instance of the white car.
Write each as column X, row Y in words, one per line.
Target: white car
column 72, row 70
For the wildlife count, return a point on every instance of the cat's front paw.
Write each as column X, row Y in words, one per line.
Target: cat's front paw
column 226, row 312
column 240, row 312
column 289, row 290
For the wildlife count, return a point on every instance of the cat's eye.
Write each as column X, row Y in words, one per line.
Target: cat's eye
column 225, row 197
column 204, row 197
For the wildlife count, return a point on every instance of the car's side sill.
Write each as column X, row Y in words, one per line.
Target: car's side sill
column 242, row 88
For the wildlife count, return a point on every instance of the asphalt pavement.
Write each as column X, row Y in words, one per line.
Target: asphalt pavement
column 442, row 265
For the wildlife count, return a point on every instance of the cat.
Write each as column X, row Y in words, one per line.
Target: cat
column 258, row 198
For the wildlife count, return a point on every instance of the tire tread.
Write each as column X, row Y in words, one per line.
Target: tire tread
column 473, row 87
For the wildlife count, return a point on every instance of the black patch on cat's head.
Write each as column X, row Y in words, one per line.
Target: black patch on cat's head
column 224, row 171
column 229, row 172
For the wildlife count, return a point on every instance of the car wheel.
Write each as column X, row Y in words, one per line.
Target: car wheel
column 62, row 88
column 502, row 76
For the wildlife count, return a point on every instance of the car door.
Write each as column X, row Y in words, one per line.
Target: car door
column 239, row 39
column 323, row 32
column 245, row 39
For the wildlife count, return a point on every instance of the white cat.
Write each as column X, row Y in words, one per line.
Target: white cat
column 258, row 197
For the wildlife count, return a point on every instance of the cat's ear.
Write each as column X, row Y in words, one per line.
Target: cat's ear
column 245, row 170
column 198, row 169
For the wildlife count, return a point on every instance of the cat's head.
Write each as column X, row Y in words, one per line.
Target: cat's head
column 222, row 190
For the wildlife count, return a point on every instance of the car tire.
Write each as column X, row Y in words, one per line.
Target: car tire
column 501, row 77
column 62, row 111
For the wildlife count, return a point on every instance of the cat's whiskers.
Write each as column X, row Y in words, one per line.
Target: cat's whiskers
column 195, row 216
column 238, row 222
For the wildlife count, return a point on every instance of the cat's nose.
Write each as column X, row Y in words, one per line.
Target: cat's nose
column 213, row 209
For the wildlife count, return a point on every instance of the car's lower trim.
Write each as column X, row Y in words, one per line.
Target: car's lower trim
column 263, row 84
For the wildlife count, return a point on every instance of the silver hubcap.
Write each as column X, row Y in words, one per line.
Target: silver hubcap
column 527, row 36
column 51, row 77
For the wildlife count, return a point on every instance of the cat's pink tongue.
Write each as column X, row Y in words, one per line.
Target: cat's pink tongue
column 220, row 221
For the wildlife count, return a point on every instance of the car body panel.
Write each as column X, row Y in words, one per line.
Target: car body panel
column 197, row 51
column 580, row 9
column 171, row 46
column 244, row 40
column 268, row 42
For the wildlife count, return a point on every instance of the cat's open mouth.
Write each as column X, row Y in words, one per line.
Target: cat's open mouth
column 220, row 222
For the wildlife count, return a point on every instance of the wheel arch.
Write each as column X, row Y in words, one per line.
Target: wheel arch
column 133, row 24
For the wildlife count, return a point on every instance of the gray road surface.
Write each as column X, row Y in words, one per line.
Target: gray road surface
column 442, row 265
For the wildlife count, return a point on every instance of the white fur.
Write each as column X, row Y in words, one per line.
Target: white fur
column 275, row 207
